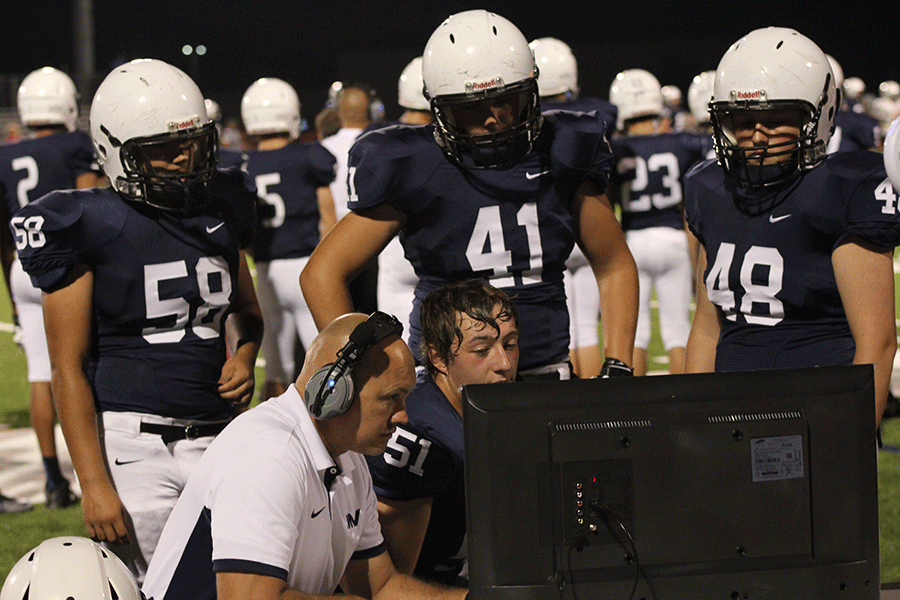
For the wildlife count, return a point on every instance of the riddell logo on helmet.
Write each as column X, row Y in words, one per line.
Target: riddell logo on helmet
column 754, row 95
column 477, row 86
column 182, row 125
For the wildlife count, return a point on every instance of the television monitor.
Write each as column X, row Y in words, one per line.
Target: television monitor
column 727, row 486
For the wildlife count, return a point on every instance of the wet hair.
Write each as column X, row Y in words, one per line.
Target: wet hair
column 475, row 298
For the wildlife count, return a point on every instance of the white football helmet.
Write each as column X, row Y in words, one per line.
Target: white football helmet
column 892, row 153
column 213, row 110
column 557, row 67
column 48, row 97
column 476, row 56
column 889, row 89
column 271, row 105
column 773, row 69
column 854, row 88
column 70, row 567
column 636, row 93
column 837, row 70
column 145, row 109
column 410, row 87
column 700, row 92
column 671, row 96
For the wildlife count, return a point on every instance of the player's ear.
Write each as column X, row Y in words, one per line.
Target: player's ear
column 434, row 357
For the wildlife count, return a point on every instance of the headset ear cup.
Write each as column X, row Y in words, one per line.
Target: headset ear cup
column 337, row 402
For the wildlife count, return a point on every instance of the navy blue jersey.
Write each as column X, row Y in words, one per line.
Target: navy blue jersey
column 162, row 288
column 424, row 459
column 606, row 112
column 853, row 131
column 288, row 212
column 34, row 167
column 771, row 273
column 647, row 180
column 512, row 226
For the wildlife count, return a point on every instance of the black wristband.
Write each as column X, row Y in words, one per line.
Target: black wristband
column 613, row 367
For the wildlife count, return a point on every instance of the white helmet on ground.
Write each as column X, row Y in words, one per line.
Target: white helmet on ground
column 476, row 56
column 410, row 92
column 271, row 105
column 72, row 568
column 47, row 96
column 636, row 93
column 147, row 108
column 700, row 92
column 557, row 67
column 773, row 69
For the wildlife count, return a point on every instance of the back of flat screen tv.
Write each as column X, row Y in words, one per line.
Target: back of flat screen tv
column 731, row 486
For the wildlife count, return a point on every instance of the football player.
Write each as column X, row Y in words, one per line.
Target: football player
column 795, row 267
column 852, row 130
column 295, row 208
column 559, row 90
column 55, row 156
column 140, row 280
column 493, row 189
column 470, row 335
column 396, row 277
column 650, row 163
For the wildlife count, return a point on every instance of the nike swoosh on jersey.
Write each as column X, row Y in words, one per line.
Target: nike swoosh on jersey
column 774, row 219
column 536, row 175
column 316, row 513
column 214, row 227
column 127, row 462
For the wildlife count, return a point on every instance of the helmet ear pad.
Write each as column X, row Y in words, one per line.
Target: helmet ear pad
column 338, row 400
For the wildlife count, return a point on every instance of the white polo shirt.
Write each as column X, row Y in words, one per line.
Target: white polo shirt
column 257, row 503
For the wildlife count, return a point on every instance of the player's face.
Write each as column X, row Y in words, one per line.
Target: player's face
column 764, row 130
column 483, row 355
column 381, row 404
column 173, row 158
column 487, row 116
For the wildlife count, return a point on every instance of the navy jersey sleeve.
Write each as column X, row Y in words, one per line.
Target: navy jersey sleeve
column 389, row 165
column 53, row 233
column 867, row 206
column 414, row 465
column 697, row 181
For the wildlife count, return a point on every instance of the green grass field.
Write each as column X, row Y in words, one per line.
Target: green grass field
column 21, row 532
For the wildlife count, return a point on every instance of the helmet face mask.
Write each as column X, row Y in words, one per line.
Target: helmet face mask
column 476, row 59
column 141, row 113
column 170, row 168
column 778, row 79
column 463, row 135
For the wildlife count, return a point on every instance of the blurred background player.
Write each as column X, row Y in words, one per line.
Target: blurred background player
column 230, row 155
column 796, row 265
column 140, row 281
column 54, row 156
column 559, row 90
column 354, row 110
column 69, row 567
column 852, row 130
column 470, row 335
column 493, row 189
column 673, row 103
column 650, row 162
column 397, row 278
column 295, row 209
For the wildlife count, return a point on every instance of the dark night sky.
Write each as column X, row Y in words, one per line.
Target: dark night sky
column 311, row 44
